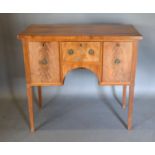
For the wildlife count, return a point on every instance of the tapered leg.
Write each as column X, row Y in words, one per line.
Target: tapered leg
column 40, row 96
column 30, row 107
column 131, row 102
column 124, row 97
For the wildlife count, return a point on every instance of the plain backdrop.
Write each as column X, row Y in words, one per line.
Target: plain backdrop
column 11, row 56
column 78, row 82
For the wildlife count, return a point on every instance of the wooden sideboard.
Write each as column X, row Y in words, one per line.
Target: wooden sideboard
column 51, row 51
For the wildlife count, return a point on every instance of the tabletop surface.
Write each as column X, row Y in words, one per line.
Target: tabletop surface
column 80, row 30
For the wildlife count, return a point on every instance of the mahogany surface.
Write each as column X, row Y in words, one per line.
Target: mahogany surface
column 108, row 50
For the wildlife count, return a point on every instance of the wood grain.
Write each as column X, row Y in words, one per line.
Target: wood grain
column 26, row 61
column 30, row 107
column 72, row 31
column 124, row 97
column 41, row 53
column 40, row 97
column 96, row 69
column 131, row 102
column 81, row 51
column 47, row 61
column 131, row 88
column 113, row 51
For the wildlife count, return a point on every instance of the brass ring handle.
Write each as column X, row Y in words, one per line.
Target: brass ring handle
column 117, row 61
column 117, row 44
column 43, row 44
column 70, row 52
column 91, row 51
column 43, row 61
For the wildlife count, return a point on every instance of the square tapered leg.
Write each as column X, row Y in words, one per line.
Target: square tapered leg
column 30, row 108
column 130, row 108
column 124, row 97
column 40, row 97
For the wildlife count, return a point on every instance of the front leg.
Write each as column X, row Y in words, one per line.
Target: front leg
column 40, row 97
column 30, row 107
column 130, row 109
column 124, row 97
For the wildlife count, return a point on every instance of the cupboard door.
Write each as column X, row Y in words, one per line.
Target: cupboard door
column 44, row 62
column 117, row 61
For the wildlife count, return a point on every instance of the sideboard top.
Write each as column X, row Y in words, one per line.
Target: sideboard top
column 76, row 30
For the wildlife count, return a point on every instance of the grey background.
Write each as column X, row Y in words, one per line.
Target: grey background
column 70, row 113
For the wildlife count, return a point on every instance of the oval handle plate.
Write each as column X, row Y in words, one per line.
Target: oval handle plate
column 70, row 52
column 43, row 44
column 117, row 61
column 117, row 44
column 43, row 61
column 91, row 51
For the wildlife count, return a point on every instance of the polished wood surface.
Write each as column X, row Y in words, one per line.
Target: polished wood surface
column 44, row 62
column 117, row 60
column 40, row 97
column 52, row 51
column 81, row 51
column 96, row 69
column 124, row 97
column 81, row 30
column 30, row 107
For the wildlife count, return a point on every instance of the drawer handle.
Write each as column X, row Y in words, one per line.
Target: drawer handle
column 43, row 61
column 91, row 52
column 43, row 44
column 70, row 52
column 117, row 44
column 117, row 61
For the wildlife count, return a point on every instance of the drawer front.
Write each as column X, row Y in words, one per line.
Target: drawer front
column 117, row 61
column 44, row 62
column 80, row 51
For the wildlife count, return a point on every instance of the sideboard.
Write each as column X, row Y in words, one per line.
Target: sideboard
column 108, row 50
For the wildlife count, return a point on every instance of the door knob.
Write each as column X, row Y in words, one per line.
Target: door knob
column 117, row 61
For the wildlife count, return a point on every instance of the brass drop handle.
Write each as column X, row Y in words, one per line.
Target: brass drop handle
column 117, row 44
column 91, row 51
column 43, row 44
column 43, row 61
column 117, row 61
column 70, row 52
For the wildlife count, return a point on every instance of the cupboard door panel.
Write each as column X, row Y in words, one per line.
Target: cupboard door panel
column 44, row 62
column 117, row 61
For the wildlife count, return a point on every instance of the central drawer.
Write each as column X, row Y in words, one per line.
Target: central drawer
column 81, row 51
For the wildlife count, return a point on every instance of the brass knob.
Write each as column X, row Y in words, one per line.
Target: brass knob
column 117, row 61
column 117, row 44
column 43, row 61
column 91, row 52
column 70, row 52
column 43, row 44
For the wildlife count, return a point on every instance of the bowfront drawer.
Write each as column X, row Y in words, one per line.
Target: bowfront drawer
column 44, row 62
column 80, row 51
column 117, row 61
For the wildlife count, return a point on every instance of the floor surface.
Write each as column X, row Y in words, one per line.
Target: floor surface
column 77, row 118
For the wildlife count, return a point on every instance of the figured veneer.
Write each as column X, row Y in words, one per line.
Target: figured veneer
column 81, row 51
column 51, row 51
column 117, row 60
column 44, row 62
